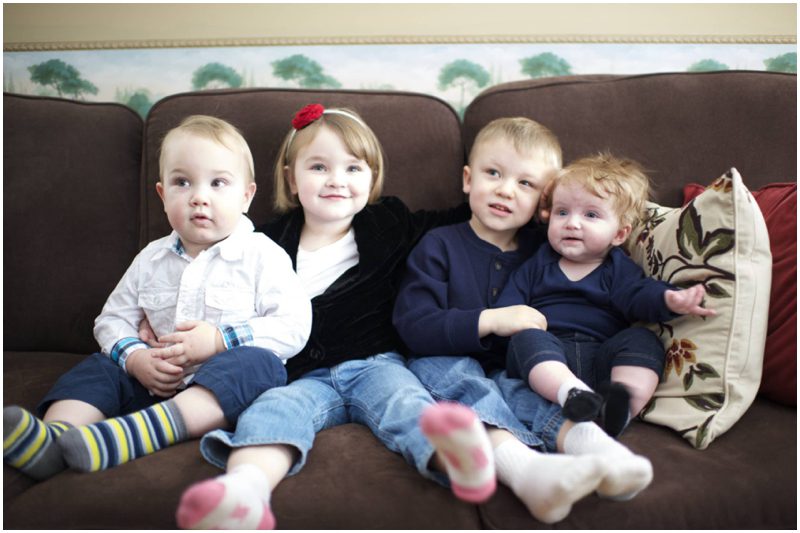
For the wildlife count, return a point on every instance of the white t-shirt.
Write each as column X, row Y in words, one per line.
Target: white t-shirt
column 320, row 268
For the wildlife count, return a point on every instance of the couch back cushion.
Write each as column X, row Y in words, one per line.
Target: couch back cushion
column 421, row 137
column 70, row 217
column 682, row 127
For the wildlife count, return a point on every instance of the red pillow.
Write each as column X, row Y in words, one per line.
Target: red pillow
column 778, row 203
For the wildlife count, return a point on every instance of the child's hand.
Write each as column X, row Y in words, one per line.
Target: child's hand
column 160, row 377
column 687, row 301
column 148, row 336
column 543, row 212
column 191, row 343
column 506, row 321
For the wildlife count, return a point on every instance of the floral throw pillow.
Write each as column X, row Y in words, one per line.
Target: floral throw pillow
column 713, row 365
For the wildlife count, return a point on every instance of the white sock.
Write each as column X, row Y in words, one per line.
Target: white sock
column 627, row 474
column 567, row 386
column 548, row 484
column 462, row 444
column 236, row 500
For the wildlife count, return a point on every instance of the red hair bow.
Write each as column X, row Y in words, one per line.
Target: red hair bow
column 307, row 115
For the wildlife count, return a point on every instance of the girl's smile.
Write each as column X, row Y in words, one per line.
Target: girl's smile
column 331, row 184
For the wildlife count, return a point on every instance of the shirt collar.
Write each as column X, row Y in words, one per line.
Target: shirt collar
column 230, row 248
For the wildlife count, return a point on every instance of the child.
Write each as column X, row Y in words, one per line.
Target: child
column 224, row 299
column 590, row 292
column 447, row 308
column 349, row 246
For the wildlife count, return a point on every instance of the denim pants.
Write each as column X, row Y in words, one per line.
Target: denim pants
column 235, row 377
column 498, row 400
column 378, row 392
column 589, row 359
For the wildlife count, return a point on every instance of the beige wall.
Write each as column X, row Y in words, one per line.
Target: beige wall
column 43, row 26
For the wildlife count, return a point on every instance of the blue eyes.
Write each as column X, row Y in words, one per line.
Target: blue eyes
column 564, row 212
column 184, row 183
column 319, row 167
column 495, row 174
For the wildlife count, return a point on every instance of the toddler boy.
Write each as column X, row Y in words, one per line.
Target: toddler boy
column 224, row 301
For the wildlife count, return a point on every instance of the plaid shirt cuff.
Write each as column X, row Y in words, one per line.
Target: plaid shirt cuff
column 233, row 336
column 124, row 347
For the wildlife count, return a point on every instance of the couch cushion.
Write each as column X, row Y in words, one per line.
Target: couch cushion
column 420, row 134
column 27, row 376
column 677, row 125
column 747, row 480
column 713, row 365
column 70, row 216
column 778, row 203
column 351, row 481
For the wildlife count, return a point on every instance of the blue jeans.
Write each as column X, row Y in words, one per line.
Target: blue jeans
column 498, row 400
column 378, row 392
column 589, row 359
column 235, row 377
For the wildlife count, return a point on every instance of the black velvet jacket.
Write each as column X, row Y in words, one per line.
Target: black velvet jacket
column 352, row 319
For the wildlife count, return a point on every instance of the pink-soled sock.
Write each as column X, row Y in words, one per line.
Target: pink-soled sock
column 463, row 446
column 236, row 500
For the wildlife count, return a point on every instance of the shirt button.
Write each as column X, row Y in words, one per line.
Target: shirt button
column 315, row 354
column 494, row 292
column 498, row 265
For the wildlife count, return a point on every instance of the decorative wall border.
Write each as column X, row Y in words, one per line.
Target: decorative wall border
column 400, row 40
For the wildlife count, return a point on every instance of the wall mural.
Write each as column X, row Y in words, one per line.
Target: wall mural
column 455, row 73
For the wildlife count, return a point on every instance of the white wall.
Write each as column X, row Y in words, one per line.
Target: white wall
column 76, row 26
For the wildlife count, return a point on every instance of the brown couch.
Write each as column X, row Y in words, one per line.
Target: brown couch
column 79, row 202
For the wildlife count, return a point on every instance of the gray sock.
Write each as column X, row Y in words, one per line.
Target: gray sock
column 29, row 444
column 115, row 441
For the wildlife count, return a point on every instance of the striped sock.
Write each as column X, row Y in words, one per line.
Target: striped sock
column 122, row 439
column 28, row 443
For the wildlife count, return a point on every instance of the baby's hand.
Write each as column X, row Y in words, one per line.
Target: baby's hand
column 687, row 301
column 506, row 321
column 148, row 336
column 156, row 375
column 192, row 343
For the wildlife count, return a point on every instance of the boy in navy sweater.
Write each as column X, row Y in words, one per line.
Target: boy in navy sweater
column 447, row 313
column 590, row 292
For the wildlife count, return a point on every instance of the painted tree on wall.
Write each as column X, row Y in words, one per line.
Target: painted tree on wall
column 707, row 65
column 139, row 100
column 64, row 78
column 215, row 76
column 464, row 75
column 782, row 63
column 304, row 71
column 545, row 65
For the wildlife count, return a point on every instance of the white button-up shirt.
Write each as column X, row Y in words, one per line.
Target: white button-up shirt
column 244, row 285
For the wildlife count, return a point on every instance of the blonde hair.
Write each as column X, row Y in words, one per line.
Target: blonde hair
column 357, row 137
column 213, row 129
column 622, row 180
column 527, row 136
